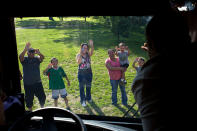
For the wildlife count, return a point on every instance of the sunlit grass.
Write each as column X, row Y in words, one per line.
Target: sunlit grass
column 64, row 44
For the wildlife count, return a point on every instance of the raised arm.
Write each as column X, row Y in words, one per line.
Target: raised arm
column 21, row 56
column 128, row 50
column 92, row 47
column 133, row 65
column 49, row 67
column 117, row 49
column 37, row 51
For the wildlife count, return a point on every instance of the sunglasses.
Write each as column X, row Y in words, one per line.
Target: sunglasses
column 32, row 51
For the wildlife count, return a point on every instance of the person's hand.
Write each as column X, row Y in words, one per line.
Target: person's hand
column 50, row 66
column 37, row 51
column 137, row 59
column 150, row 50
column 27, row 46
column 116, row 47
column 81, row 51
column 145, row 47
column 126, row 47
column 91, row 43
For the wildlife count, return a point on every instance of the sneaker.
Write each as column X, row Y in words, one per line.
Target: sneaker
column 125, row 82
column 83, row 104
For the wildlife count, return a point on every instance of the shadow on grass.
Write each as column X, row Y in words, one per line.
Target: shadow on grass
column 97, row 109
column 94, row 107
column 122, row 109
column 102, row 37
column 89, row 110
column 132, row 110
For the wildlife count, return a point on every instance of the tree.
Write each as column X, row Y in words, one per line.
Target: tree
column 120, row 26
column 124, row 25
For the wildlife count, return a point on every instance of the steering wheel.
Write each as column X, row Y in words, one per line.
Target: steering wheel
column 48, row 114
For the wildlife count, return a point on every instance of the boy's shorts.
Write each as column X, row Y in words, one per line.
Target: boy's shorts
column 125, row 65
column 61, row 92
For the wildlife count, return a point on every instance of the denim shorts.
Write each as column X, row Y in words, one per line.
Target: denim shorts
column 61, row 92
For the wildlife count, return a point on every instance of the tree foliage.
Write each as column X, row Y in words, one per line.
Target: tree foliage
column 123, row 25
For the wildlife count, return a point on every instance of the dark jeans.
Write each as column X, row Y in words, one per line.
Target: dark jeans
column 114, row 84
column 85, row 80
column 37, row 90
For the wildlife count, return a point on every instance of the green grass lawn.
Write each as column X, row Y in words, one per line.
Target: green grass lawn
column 63, row 42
